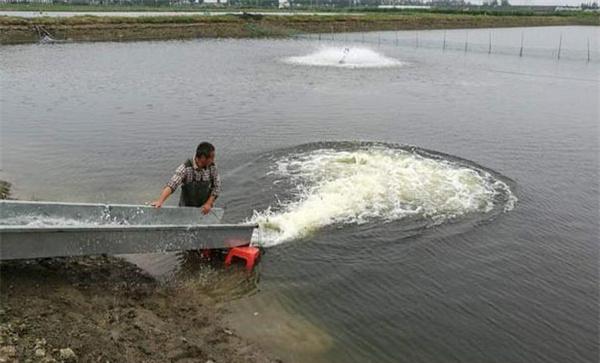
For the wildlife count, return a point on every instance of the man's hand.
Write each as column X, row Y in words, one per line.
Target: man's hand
column 205, row 209
column 163, row 196
column 156, row 204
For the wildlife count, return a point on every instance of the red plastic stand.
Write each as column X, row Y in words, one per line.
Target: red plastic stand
column 248, row 253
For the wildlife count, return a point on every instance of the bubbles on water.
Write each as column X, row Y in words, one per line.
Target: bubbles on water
column 375, row 183
column 345, row 57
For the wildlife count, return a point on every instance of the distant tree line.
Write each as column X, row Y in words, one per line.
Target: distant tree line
column 590, row 5
column 496, row 3
column 255, row 3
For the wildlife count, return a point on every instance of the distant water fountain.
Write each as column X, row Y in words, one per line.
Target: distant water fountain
column 345, row 57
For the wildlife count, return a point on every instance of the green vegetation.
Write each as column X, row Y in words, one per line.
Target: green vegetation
column 111, row 28
column 4, row 189
column 107, row 8
column 271, row 6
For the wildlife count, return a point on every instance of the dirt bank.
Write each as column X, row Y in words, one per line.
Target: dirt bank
column 89, row 28
column 104, row 309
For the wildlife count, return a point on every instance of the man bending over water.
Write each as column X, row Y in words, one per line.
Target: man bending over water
column 199, row 180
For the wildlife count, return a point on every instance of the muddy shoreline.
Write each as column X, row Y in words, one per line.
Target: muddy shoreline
column 89, row 28
column 105, row 309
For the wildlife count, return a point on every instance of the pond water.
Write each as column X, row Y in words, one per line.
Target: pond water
column 418, row 204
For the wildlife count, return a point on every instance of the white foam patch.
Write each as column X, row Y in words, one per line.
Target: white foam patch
column 345, row 57
column 347, row 187
column 33, row 220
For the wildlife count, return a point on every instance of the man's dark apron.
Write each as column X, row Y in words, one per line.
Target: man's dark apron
column 194, row 193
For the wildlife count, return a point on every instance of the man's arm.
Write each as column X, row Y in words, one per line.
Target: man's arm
column 167, row 191
column 176, row 181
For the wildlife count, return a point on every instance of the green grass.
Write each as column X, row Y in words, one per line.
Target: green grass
column 110, row 28
column 4, row 189
column 418, row 19
column 471, row 10
column 68, row 7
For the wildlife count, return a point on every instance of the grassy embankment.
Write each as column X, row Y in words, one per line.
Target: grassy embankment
column 110, row 28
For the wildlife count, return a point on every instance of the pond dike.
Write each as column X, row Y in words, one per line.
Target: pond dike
column 102, row 308
column 14, row 30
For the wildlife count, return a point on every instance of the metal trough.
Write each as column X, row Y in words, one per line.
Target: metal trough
column 43, row 229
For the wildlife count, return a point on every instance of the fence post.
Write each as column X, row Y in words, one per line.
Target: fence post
column 490, row 44
column 444, row 45
column 521, row 50
column 588, row 45
column 559, row 45
column 332, row 36
column 397, row 39
column 466, row 41
column 416, row 39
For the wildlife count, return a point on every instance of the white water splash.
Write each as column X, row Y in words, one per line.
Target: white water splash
column 45, row 221
column 347, row 187
column 345, row 57
column 33, row 220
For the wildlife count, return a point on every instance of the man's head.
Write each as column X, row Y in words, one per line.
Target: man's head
column 205, row 154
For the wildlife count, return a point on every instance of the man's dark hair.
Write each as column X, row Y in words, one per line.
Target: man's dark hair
column 204, row 149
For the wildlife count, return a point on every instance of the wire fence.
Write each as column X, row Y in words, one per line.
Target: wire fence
column 443, row 42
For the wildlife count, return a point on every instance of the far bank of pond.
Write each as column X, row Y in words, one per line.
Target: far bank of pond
column 14, row 30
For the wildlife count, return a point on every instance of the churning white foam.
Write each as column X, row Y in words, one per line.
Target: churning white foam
column 345, row 57
column 344, row 187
